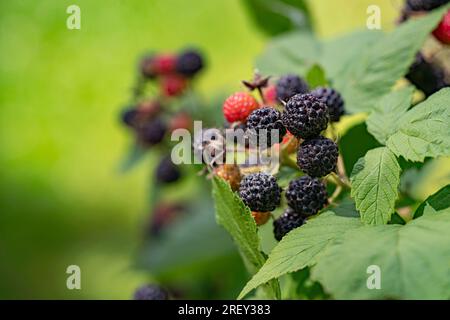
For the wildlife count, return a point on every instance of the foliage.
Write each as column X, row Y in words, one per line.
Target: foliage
column 363, row 66
column 366, row 227
column 236, row 218
column 284, row 15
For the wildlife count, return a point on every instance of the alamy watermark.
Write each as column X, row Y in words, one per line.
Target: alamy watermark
column 228, row 146
column 374, row 280
column 373, row 21
column 74, row 279
column 73, row 21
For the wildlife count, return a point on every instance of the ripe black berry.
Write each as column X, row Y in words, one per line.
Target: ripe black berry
column 287, row 222
column 305, row 116
column 129, row 117
column 260, row 192
column 263, row 123
column 290, row 85
column 426, row 76
column 152, row 132
column 151, row 292
column 306, row 195
column 167, row 171
column 424, row 5
column 333, row 100
column 317, row 157
column 189, row 63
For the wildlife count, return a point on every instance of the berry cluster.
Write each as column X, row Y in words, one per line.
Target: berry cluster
column 159, row 105
column 173, row 72
column 426, row 76
column 428, row 73
column 423, row 5
column 299, row 116
column 414, row 8
column 152, row 118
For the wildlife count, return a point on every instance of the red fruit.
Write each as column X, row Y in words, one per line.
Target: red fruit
column 181, row 120
column 442, row 32
column 149, row 108
column 238, row 106
column 157, row 65
column 173, row 85
column 164, row 64
column 270, row 95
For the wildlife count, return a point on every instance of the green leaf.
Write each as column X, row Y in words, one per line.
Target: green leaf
column 189, row 237
column 387, row 60
column 279, row 16
column 424, row 130
column 346, row 208
column 236, row 218
column 397, row 219
column 132, row 158
column 414, row 261
column 298, row 285
column 316, row 77
column 290, row 53
column 363, row 66
column 300, row 247
column 355, row 143
column 438, row 201
column 375, row 179
column 384, row 120
column 339, row 55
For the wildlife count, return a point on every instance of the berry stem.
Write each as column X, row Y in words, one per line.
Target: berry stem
column 288, row 161
column 335, row 194
column 261, row 94
column 333, row 132
column 341, row 170
column 338, row 181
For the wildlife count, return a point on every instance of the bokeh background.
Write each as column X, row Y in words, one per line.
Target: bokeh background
column 62, row 198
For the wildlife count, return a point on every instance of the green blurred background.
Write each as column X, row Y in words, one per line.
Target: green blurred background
column 62, row 199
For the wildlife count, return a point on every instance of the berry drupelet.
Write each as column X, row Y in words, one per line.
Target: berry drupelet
column 263, row 122
column 424, row 5
column 152, row 132
column 425, row 76
column 305, row 116
column 167, row 171
column 290, row 85
column 306, row 195
column 287, row 222
column 189, row 63
column 333, row 100
column 318, row 157
column 151, row 292
column 238, row 106
column 260, row 192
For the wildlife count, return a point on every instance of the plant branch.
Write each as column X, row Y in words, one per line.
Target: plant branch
column 288, row 161
column 338, row 181
column 341, row 170
column 335, row 194
column 261, row 94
